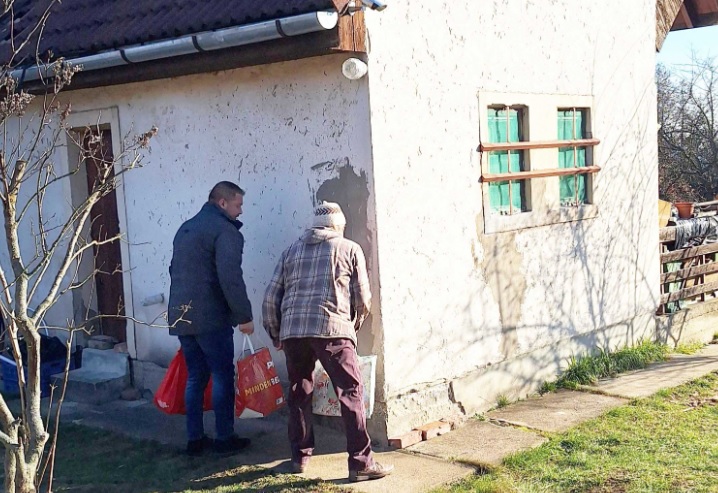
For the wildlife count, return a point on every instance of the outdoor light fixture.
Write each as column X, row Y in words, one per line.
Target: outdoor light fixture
column 354, row 69
column 374, row 5
column 357, row 5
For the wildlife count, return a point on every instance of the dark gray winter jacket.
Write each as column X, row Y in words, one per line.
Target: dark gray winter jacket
column 207, row 290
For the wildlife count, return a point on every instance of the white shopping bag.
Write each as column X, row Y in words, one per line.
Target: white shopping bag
column 325, row 401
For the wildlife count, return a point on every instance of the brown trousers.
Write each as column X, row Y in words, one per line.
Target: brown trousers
column 339, row 359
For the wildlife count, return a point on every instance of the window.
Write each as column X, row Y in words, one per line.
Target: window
column 537, row 158
column 572, row 125
column 506, row 125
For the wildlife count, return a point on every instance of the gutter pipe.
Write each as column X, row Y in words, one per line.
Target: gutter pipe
column 196, row 43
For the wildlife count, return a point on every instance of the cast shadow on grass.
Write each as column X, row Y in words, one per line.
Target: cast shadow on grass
column 91, row 460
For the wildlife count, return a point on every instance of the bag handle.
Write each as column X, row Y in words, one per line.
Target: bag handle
column 246, row 340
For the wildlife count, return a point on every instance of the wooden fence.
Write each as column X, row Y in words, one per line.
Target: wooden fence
column 688, row 274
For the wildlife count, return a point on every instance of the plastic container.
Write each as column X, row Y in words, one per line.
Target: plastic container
column 47, row 370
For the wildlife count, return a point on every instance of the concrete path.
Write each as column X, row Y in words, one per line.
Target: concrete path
column 445, row 459
column 678, row 370
column 555, row 412
column 479, row 444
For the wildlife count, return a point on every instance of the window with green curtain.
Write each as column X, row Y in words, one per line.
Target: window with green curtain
column 505, row 124
column 572, row 125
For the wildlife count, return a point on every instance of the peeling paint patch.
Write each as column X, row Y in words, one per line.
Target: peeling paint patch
column 351, row 191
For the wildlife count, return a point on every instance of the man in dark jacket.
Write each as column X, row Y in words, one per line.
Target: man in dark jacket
column 207, row 298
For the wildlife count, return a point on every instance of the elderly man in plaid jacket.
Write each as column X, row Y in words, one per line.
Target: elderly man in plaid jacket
column 315, row 304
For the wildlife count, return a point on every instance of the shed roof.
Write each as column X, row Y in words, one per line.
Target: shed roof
column 81, row 27
column 675, row 15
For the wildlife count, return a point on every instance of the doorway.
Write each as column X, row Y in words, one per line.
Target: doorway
column 104, row 224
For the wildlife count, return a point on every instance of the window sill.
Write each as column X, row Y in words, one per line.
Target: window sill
column 494, row 223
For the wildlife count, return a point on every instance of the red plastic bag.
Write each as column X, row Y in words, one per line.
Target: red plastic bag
column 169, row 397
column 258, row 392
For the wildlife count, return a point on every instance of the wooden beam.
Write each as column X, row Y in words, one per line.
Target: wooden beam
column 538, row 173
column 666, row 12
column 667, row 234
column 352, row 33
column 689, row 273
column 689, row 292
column 703, row 7
column 539, row 144
column 687, row 253
column 685, row 17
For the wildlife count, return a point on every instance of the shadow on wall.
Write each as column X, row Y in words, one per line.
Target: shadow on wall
column 351, row 192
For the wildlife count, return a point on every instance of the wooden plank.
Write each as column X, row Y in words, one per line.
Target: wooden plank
column 687, row 253
column 689, row 292
column 539, row 144
column 352, row 33
column 539, row 173
column 703, row 7
column 685, row 17
column 666, row 12
column 667, row 234
column 689, row 273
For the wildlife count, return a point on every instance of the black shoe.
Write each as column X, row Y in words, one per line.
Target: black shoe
column 197, row 447
column 232, row 445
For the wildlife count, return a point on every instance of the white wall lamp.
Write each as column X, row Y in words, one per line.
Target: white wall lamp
column 357, row 5
column 354, row 69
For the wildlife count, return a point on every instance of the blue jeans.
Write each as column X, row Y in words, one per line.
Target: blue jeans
column 209, row 354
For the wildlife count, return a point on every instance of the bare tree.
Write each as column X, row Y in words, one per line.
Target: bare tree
column 688, row 135
column 45, row 241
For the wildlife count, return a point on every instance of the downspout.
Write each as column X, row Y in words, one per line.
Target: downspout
column 186, row 45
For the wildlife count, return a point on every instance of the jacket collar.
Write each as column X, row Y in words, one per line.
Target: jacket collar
column 217, row 210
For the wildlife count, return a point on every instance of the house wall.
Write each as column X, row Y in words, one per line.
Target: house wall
column 468, row 315
column 290, row 134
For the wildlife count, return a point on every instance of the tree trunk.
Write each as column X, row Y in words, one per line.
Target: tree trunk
column 19, row 475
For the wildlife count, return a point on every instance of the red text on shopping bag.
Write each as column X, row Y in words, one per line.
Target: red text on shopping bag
column 169, row 397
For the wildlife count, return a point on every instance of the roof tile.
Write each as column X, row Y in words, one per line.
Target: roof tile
column 81, row 27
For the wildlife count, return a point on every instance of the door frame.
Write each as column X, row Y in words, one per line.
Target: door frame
column 109, row 117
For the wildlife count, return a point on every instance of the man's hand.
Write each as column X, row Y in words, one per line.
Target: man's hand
column 278, row 345
column 247, row 328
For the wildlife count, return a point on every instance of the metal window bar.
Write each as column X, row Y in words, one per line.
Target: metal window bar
column 508, row 157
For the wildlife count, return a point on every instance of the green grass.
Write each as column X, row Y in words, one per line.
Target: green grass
column 502, row 401
column 689, row 347
column 91, row 461
column 588, row 369
column 666, row 443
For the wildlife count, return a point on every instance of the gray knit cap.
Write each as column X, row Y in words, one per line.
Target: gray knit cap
column 327, row 215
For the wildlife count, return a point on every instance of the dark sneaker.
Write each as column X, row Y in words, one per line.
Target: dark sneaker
column 298, row 467
column 232, row 445
column 197, row 447
column 377, row 471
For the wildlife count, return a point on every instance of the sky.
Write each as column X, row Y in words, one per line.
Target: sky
column 678, row 46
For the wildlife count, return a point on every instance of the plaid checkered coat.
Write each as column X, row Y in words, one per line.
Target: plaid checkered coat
column 320, row 288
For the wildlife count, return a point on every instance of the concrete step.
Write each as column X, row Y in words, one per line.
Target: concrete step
column 102, row 378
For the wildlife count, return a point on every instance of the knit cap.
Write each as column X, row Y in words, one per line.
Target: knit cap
column 327, row 215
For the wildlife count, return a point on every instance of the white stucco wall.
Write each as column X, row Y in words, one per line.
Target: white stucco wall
column 454, row 300
column 289, row 134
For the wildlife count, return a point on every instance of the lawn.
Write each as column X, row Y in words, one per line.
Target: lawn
column 666, row 443
column 92, row 461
